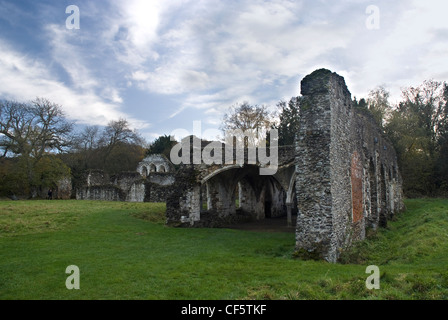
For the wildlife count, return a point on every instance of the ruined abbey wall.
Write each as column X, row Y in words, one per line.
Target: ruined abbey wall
column 347, row 173
column 339, row 179
column 126, row 186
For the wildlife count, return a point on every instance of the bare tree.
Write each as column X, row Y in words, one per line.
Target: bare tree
column 32, row 130
column 87, row 139
column 119, row 132
column 245, row 118
column 16, row 126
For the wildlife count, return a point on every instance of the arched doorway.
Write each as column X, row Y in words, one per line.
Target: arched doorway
column 242, row 193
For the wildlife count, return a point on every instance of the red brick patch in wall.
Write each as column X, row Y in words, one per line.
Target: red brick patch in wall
column 356, row 179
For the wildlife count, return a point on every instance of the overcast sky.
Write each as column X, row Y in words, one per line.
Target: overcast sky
column 164, row 64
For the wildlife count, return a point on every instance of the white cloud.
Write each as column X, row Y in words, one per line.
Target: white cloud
column 403, row 52
column 235, row 51
column 209, row 55
column 24, row 79
column 70, row 56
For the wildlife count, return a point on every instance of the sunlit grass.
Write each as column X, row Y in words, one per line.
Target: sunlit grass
column 124, row 251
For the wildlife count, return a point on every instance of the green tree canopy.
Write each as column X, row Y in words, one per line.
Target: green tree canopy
column 161, row 145
column 417, row 128
column 31, row 131
column 288, row 121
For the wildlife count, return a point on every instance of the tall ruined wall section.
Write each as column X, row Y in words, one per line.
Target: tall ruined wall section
column 347, row 173
column 313, row 182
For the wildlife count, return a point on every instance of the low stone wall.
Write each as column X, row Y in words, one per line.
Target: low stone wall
column 105, row 193
column 136, row 192
column 64, row 189
column 157, row 188
column 126, row 186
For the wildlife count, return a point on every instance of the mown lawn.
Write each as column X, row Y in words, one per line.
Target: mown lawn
column 124, row 251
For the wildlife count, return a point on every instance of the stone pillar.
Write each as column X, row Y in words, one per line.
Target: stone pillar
column 183, row 204
column 313, row 184
column 323, row 153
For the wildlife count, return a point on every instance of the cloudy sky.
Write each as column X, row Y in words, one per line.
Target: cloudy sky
column 164, row 64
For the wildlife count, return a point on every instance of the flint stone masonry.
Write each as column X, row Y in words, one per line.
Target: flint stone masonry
column 63, row 189
column 342, row 168
column 142, row 185
column 220, row 195
column 157, row 186
column 341, row 177
column 99, row 186
column 103, row 192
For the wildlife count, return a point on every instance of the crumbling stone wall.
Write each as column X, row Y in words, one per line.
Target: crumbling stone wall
column 184, row 201
column 104, row 193
column 99, row 187
column 224, row 194
column 346, row 171
column 157, row 186
column 132, row 184
column 341, row 177
column 126, row 186
column 63, row 189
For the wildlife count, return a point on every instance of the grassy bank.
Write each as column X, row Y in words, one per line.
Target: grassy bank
column 124, row 251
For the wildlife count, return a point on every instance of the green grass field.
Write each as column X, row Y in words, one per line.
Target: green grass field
column 124, row 251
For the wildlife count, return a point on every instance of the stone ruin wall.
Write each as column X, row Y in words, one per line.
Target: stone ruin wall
column 341, row 177
column 126, row 186
column 347, row 173
column 99, row 186
column 203, row 195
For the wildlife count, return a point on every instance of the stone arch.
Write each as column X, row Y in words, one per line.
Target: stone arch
column 161, row 168
column 274, row 199
column 250, row 194
column 291, row 200
column 144, row 171
column 152, row 168
column 216, row 172
column 291, row 192
column 236, row 190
